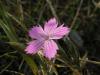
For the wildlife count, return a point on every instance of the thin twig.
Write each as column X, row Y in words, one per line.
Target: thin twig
column 96, row 7
column 15, row 72
column 90, row 61
column 52, row 9
column 77, row 13
column 6, row 67
column 51, row 65
column 15, row 19
column 7, row 53
column 20, row 8
column 66, row 64
column 41, row 12
column 20, row 66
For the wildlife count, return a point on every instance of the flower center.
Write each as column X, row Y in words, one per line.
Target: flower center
column 47, row 37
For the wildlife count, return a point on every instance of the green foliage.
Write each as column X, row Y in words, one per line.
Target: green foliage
column 17, row 16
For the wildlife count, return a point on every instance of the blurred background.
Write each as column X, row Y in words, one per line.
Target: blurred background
column 79, row 53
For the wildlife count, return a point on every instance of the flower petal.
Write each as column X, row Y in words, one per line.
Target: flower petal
column 50, row 49
column 60, row 32
column 36, row 33
column 34, row 46
column 50, row 26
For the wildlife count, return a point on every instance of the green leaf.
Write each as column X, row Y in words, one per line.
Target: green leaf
column 31, row 63
column 75, row 37
column 9, row 29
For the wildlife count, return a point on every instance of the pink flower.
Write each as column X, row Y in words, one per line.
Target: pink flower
column 44, row 38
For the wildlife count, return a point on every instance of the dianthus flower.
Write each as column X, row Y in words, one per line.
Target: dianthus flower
column 43, row 38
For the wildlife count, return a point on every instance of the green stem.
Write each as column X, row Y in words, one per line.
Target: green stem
column 77, row 13
column 90, row 61
column 52, row 9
